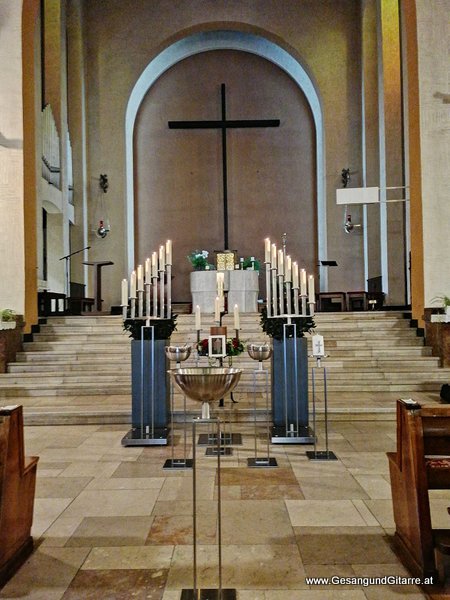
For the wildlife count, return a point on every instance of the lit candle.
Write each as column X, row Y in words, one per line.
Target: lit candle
column 312, row 297
column 124, row 292
column 168, row 252
column 280, row 262
column 288, row 269
column 267, row 250
column 274, row 256
column 217, row 310
column 198, row 318
column 140, row 280
column 162, row 258
column 148, row 270
column 154, row 265
column 295, row 275
column 303, row 282
column 237, row 323
column 133, row 284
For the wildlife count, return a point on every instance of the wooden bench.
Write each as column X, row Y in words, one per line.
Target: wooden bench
column 421, row 463
column 17, row 486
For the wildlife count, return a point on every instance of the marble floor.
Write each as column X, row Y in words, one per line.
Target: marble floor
column 111, row 523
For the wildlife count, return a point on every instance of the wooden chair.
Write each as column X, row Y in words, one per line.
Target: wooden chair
column 17, row 486
column 421, row 463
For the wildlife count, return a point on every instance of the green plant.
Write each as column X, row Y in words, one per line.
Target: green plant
column 7, row 314
column 445, row 300
column 163, row 328
column 198, row 260
column 274, row 326
column 248, row 262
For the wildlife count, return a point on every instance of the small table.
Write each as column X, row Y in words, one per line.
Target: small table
column 331, row 301
column 98, row 280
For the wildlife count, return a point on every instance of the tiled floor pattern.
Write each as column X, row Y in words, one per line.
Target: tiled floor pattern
column 110, row 523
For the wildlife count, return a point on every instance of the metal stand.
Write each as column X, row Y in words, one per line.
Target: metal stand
column 320, row 454
column 177, row 463
column 291, row 433
column 196, row 593
column 146, row 434
column 265, row 461
column 227, row 439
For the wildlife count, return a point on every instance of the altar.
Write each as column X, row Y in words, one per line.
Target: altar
column 241, row 286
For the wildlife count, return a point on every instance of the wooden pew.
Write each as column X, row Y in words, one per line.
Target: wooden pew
column 421, row 463
column 17, row 486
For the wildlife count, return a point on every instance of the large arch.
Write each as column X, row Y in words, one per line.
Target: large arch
column 226, row 40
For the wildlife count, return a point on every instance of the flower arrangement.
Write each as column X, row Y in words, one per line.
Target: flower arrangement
column 234, row 347
column 198, row 259
column 274, row 326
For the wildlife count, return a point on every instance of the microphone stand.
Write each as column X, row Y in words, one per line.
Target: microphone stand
column 67, row 259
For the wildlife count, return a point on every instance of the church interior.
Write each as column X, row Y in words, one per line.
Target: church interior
column 224, row 299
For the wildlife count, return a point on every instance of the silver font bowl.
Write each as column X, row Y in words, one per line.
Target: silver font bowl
column 178, row 353
column 206, row 384
column 259, row 351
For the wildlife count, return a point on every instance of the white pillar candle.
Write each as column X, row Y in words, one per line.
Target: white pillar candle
column 162, row 258
column 198, row 318
column 140, row 278
column 288, row 269
column 217, row 310
column 318, row 348
column 168, row 252
column 267, row 250
column 312, row 296
column 220, row 278
column 295, row 275
column 280, row 262
column 303, row 282
column 124, row 292
column 237, row 322
column 148, row 271
column 154, row 264
column 133, row 284
column 274, row 257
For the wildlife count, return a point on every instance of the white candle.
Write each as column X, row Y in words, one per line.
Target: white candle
column 295, row 275
column 162, row 258
column 274, row 257
column 267, row 250
column 288, row 269
column 303, row 282
column 318, row 348
column 140, row 279
column 198, row 318
column 220, row 278
column 312, row 297
column 148, row 270
column 124, row 292
column 168, row 252
column 133, row 284
column 217, row 310
column 237, row 322
column 154, row 264
column 280, row 262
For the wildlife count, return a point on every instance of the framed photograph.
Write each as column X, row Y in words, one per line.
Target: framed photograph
column 217, row 346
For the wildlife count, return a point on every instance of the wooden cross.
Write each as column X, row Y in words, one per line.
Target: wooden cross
column 223, row 124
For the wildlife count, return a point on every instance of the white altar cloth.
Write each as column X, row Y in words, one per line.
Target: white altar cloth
column 242, row 288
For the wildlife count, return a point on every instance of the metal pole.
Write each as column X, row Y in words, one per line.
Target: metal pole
column 169, row 291
column 155, row 297
column 314, row 408
column 140, row 303
column 274, row 290
column 268, row 291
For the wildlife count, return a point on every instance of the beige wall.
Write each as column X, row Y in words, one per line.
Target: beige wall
column 122, row 40
column 271, row 171
column 433, row 25
column 12, row 283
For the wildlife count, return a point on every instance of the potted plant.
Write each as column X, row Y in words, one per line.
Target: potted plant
column 445, row 300
column 199, row 262
column 8, row 319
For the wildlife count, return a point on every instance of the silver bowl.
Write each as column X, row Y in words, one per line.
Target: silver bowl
column 178, row 353
column 206, row 384
column 259, row 351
